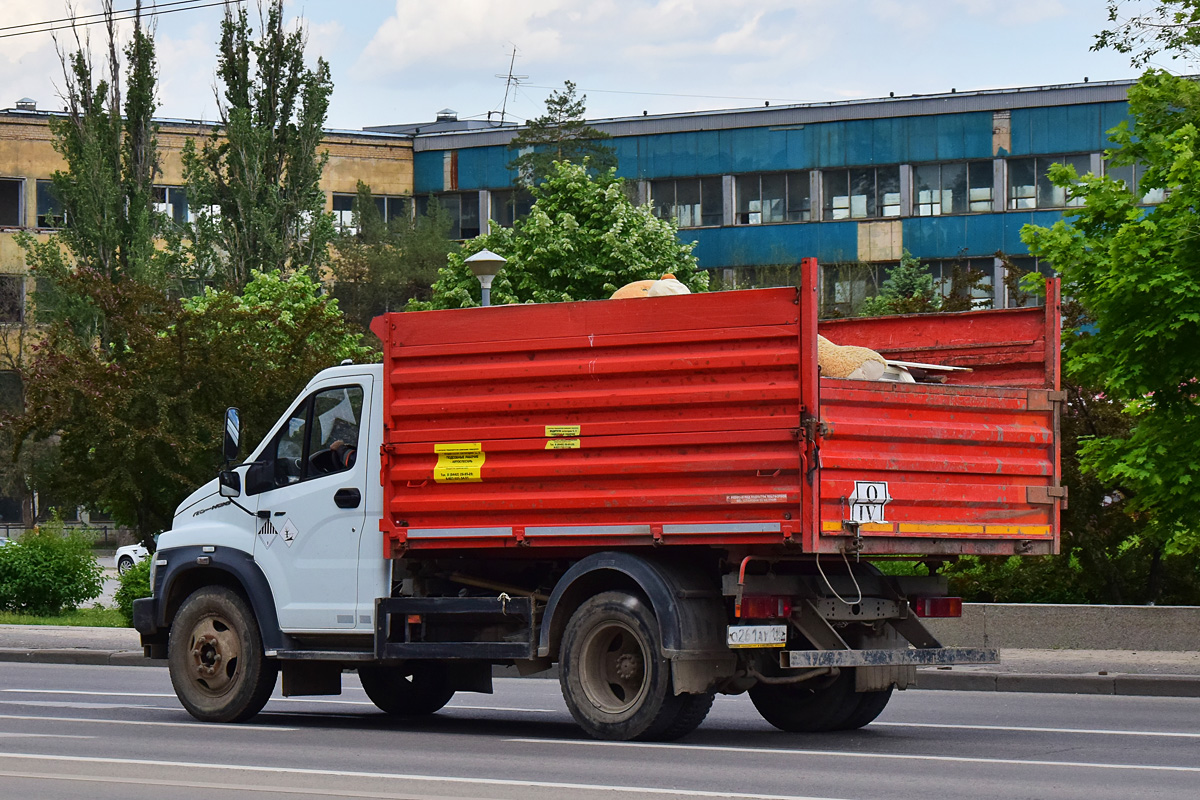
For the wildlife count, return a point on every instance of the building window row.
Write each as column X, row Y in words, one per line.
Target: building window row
column 981, row 282
column 390, row 208
column 967, row 187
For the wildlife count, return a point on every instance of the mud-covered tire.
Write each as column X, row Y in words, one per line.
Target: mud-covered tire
column 215, row 657
column 406, row 690
column 870, row 705
column 124, row 565
column 693, row 710
column 807, row 707
column 614, row 678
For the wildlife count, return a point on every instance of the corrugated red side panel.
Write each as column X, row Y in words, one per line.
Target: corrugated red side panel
column 669, row 419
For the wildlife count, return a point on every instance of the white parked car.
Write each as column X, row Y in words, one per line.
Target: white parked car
column 129, row 555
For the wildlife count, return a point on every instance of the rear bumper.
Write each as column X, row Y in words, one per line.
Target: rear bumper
column 919, row 657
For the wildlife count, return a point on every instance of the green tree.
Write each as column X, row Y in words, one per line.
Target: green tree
column 255, row 181
column 582, row 240
column 141, row 426
column 109, row 144
column 379, row 266
column 908, row 289
column 1136, row 273
column 108, row 140
column 561, row 134
column 1167, row 25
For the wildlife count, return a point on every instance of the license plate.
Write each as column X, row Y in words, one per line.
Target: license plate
column 757, row 635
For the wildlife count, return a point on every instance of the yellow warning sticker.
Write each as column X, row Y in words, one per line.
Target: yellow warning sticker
column 459, row 462
column 562, row 444
column 562, row 430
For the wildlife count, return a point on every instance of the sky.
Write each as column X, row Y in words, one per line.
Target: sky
column 401, row 61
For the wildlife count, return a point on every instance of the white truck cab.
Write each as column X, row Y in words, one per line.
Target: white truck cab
column 308, row 512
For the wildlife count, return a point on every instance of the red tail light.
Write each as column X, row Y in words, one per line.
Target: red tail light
column 764, row 606
column 936, row 606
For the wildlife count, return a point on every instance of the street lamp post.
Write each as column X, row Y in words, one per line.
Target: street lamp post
column 484, row 265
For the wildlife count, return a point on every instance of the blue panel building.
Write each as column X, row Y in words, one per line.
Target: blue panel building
column 951, row 178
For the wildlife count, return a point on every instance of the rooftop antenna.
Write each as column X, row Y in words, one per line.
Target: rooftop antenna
column 510, row 81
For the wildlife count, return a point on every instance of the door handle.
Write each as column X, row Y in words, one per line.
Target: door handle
column 347, row 498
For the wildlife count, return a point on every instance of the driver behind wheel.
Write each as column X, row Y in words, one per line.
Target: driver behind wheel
column 344, row 454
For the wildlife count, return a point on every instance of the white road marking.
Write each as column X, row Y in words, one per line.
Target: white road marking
column 71, row 704
column 363, row 703
column 88, row 694
column 505, row 708
column 1020, row 729
column 645, row 790
column 225, row 787
column 1015, row 762
column 205, row 725
column 14, row 735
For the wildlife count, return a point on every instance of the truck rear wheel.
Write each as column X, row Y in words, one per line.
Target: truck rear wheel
column 215, row 656
column 810, row 706
column 870, row 705
column 406, row 690
column 614, row 678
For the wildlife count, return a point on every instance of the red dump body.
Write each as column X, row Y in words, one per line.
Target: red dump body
column 700, row 419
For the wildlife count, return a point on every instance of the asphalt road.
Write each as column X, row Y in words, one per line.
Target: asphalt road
column 118, row 732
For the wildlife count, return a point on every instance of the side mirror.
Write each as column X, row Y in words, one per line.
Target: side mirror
column 233, row 435
column 230, row 483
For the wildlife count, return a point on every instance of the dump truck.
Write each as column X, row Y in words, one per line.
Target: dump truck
column 662, row 497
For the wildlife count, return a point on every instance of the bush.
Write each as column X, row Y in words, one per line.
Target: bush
column 135, row 583
column 48, row 570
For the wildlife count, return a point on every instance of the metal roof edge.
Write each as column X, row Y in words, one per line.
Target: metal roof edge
column 773, row 116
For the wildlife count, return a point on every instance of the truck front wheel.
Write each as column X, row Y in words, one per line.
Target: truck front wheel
column 215, row 656
column 614, row 678
column 407, row 690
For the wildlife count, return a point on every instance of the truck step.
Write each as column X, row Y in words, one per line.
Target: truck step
column 418, row 627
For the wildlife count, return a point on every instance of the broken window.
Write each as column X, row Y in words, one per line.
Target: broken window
column 12, row 298
column 952, row 188
column 1029, row 186
column 172, row 201
column 509, row 205
column 343, row 211
column 50, row 212
column 1131, row 175
column 772, row 197
column 10, row 202
column 463, row 210
column 862, row 193
column 691, row 202
column 390, row 209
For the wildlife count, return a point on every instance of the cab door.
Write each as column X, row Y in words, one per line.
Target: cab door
column 311, row 506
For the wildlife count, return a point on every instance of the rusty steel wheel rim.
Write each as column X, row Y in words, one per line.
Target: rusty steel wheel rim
column 613, row 669
column 214, row 653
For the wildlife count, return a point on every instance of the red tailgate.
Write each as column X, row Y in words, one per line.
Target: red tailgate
column 972, row 466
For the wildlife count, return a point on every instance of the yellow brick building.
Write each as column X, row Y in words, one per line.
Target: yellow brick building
column 28, row 159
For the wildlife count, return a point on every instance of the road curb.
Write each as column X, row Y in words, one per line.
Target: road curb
column 1118, row 684
column 102, row 658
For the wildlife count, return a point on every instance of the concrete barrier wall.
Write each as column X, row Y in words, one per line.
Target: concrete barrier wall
column 1065, row 627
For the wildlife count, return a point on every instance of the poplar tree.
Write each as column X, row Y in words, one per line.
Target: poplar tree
column 255, row 181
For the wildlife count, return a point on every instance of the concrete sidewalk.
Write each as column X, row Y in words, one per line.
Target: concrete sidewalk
column 1121, row 672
